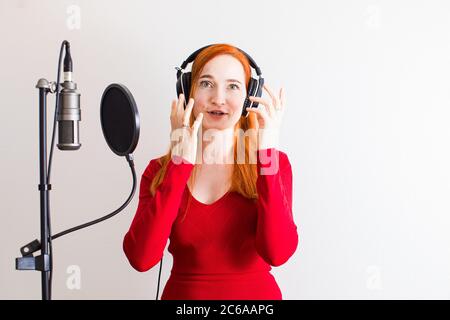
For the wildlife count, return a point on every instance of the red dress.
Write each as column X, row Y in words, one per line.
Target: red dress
column 223, row 250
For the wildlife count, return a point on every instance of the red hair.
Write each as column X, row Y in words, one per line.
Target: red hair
column 244, row 175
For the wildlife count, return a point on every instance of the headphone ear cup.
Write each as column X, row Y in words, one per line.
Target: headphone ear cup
column 260, row 87
column 187, row 87
column 252, row 87
column 179, row 91
column 184, row 86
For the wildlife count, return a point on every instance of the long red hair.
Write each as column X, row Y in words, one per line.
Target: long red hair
column 243, row 180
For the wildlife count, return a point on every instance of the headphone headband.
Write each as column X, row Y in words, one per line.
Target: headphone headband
column 193, row 55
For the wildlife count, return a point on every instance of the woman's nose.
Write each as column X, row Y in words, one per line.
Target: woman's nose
column 219, row 96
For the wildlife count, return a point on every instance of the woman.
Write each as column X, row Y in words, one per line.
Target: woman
column 228, row 222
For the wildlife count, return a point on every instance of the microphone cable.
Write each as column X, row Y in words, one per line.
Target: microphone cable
column 64, row 43
column 110, row 215
column 159, row 277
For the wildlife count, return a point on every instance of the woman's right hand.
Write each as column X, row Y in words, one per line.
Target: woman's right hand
column 183, row 137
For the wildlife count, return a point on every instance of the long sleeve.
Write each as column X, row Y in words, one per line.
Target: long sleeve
column 276, row 233
column 147, row 237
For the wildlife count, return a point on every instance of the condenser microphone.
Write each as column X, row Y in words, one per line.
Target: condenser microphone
column 69, row 112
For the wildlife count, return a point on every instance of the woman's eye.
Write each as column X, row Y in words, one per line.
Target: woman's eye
column 205, row 84
column 234, row 86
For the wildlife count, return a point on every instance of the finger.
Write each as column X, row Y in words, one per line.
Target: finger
column 197, row 123
column 282, row 97
column 271, row 94
column 265, row 103
column 275, row 101
column 261, row 112
column 173, row 109
column 180, row 105
column 187, row 112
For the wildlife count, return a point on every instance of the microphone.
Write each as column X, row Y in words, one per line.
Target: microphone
column 69, row 112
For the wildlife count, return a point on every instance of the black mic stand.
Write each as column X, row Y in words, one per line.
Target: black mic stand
column 42, row 262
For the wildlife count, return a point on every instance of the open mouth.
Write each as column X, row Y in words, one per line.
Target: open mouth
column 217, row 113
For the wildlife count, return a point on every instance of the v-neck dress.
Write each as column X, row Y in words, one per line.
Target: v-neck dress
column 223, row 250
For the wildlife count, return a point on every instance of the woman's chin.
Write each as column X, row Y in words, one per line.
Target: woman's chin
column 215, row 126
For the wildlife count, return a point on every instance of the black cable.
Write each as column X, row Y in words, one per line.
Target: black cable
column 159, row 278
column 56, row 111
column 85, row 225
column 128, row 157
column 52, row 144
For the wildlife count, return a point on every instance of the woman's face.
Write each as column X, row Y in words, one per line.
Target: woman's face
column 220, row 93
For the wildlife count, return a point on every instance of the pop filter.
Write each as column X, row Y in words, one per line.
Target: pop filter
column 120, row 119
column 120, row 124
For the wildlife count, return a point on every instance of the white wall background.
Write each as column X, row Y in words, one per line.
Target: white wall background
column 366, row 130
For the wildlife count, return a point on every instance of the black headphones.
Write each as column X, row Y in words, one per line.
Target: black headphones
column 254, row 87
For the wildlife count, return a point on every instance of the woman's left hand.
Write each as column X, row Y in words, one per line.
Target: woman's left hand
column 269, row 114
